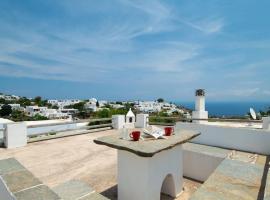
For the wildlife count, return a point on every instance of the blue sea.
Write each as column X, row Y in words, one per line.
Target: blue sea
column 229, row 108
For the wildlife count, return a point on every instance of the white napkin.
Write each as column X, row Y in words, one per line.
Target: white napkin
column 155, row 132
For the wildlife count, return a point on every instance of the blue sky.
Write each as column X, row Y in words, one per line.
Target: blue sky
column 124, row 49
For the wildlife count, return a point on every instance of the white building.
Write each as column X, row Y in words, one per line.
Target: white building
column 102, row 103
column 148, row 106
column 63, row 103
column 54, row 114
column 91, row 105
column 9, row 97
column 165, row 106
column 92, row 100
column 32, row 110
column 49, row 113
column 53, row 101
column 117, row 106
column 16, row 107
column 69, row 111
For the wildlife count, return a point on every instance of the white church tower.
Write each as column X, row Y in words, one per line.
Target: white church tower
column 199, row 112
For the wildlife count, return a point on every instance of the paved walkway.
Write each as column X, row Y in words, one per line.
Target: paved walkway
column 76, row 157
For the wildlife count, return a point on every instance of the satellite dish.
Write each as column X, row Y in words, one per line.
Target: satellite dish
column 252, row 113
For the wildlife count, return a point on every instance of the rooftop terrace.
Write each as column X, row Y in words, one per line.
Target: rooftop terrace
column 77, row 157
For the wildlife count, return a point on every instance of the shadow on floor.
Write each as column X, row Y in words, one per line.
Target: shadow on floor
column 111, row 193
column 264, row 179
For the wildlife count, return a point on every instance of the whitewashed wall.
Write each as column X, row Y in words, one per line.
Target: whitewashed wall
column 15, row 135
column 150, row 176
column 199, row 166
column 244, row 139
column 1, row 133
column 54, row 128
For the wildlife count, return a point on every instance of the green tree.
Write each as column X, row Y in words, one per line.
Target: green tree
column 160, row 100
column 163, row 114
column 120, row 111
column 17, row 115
column 38, row 117
column 104, row 113
column 97, row 104
column 24, row 101
column 38, row 100
column 55, row 107
column 128, row 106
column 107, row 106
column 83, row 114
column 79, row 106
column 2, row 101
column 266, row 112
column 6, row 110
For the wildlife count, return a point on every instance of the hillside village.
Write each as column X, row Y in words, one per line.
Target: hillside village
column 19, row 108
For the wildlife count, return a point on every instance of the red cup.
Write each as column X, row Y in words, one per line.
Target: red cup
column 168, row 131
column 135, row 135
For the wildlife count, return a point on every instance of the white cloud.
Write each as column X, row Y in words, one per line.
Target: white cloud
column 207, row 26
column 90, row 55
column 148, row 42
column 266, row 92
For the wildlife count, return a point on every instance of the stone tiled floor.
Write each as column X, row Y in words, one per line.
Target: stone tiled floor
column 77, row 157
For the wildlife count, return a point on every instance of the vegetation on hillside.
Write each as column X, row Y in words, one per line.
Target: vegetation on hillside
column 163, row 117
column 160, row 100
column 265, row 112
column 16, row 115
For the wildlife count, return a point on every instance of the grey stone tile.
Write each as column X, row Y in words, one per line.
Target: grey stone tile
column 41, row 192
column 94, row 196
column 20, row 180
column 232, row 180
column 73, row 189
column 10, row 165
column 246, row 172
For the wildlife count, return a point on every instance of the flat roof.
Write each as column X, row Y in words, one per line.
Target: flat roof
column 78, row 157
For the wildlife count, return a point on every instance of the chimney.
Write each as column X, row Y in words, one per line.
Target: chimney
column 199, row 112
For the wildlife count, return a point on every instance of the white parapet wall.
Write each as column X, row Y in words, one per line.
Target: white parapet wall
column 118, row 121
column 51, row 128
column 199, row 166
column 2, row 129
column 142, row 120
column 47, row 126
column 244, row 139
column 15, row 135
column 266, row 123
